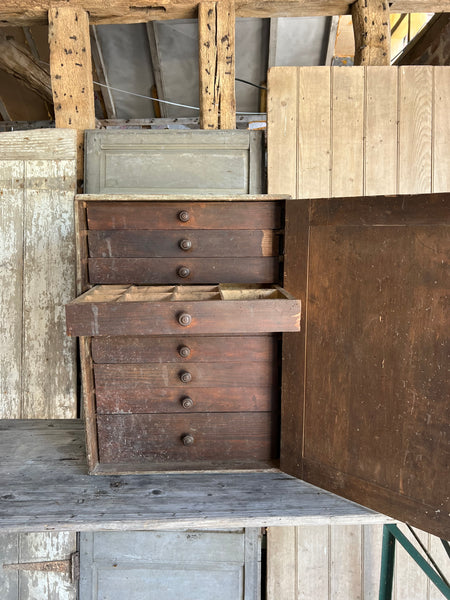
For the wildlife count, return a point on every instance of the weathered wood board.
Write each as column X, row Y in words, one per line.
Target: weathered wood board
column 37, row 360
column 48, row 488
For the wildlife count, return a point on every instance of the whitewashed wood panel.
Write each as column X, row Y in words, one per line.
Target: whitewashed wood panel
column 441, row 130
column 282, row 563
column 37, row 360
column 371, row 539
column 313, row 548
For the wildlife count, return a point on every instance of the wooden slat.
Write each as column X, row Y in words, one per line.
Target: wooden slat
column 142, row 349
column 372, row 32
column 415, row 120
column 282, row 563
column 409, row 580
column 21, row 12
column 71, row 69
column 347, row 131
column 372, row 536
column 380, row 139
column 208, row 46
column 313, row 563
column 441, row 130
column 226, row 26
column 314, row 133
column 217, row 436
column 345, row 562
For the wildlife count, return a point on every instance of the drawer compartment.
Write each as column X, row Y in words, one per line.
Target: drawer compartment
column 199, row 437
column 193, row 243
column 148, row 271
column 166, row 349
column 182, row 310
column 113, row 399
column 183, row 215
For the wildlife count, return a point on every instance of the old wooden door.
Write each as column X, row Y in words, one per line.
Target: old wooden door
column 165, row 565
column 366, row 390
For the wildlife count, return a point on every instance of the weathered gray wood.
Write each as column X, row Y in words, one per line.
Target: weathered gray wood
column 197, row 565
column 9, row 580
column 46, row 487
column 188, row 162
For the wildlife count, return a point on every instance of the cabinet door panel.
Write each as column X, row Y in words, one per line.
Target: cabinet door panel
column 376, row 411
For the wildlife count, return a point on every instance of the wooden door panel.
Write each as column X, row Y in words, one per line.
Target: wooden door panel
column 376, row 411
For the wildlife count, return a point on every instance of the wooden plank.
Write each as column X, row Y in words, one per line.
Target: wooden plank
column 18, row 61
column 208, row 47
column 282, row 118
column 372, row 536
column 439, row 554
column 12, row 175
column 48, row 284
column 142, row 349
column 180, row 197
column 347, row 131
column 441, row 130
column 380, row 138
column 39, row 144
column 9, row 580
column 282, row 563
column 45, row 467
column 415, row 129
column 345, row 562
column 183, row 215
column 409, row 579
column 313, row 563
column 226, row 29
column 21, row 12
column 372, row 32
column 71, row 70
column 148, row 271
column 314, row 133
column 161, row 438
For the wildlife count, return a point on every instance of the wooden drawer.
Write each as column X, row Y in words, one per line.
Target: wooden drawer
column 183, row 310
column 183, row 215
column 149, row 271
column 166, row 349
column 113, row 399
column 179, row 244
column 161, row 438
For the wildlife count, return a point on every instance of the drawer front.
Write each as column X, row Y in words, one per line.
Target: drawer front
column 195, row 375
column 182, row 318
column 111, row 399
column 198, row 437
column 183, row 215
column 148, row 349
column 190, row 243
column 151, row 271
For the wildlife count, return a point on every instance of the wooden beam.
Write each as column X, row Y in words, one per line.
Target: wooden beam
column 18, row 61
column 27, row 12
column 71, row 73
column 372, row 32
column 216, row 22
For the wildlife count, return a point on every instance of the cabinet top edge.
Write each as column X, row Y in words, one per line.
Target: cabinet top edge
column 181, row 197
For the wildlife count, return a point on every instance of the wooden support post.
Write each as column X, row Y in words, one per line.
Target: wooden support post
column 372, row 32
column 217, row 64
column 71, row 73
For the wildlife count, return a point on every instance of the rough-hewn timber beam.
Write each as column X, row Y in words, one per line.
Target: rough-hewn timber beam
column 29, row 12
column 71, row 73
column 216, row 22
column 372, row 32
column 18, row 61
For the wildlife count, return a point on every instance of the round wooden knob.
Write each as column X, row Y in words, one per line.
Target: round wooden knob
column 184, row 351
column 184, row 216
column 185, row 377
column 187, row 402
column 188, row 439
column 184, row 319
column 185, row 245
column 183, row 272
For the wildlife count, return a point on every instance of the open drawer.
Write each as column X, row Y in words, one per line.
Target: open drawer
column 175, row 310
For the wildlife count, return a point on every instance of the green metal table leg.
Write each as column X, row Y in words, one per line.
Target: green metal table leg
column 387, row 565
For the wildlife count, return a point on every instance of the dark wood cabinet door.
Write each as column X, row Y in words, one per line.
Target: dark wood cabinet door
column 373, row 422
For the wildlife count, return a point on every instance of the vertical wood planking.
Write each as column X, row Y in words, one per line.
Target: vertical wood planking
column 71, row 72
column 9, row 580
column 380, row 139
column 11, row 260
column 282, row 563
column 314, row 133
column 207, row 52
column 409, row 579
column 49, row 365
column 345, row 562
column 415, row 118
column 347, row 177
column 441, row 130
column 439, row 554
column 226, row 25
column 372, row 536
column 313, row 547
column 282, row 126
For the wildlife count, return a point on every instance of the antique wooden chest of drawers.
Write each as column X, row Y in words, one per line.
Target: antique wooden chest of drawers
column 184, row 374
